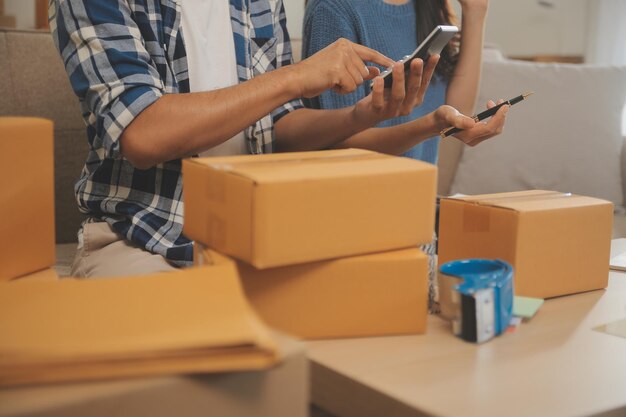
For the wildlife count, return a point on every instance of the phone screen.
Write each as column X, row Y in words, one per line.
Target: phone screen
column 432, row 45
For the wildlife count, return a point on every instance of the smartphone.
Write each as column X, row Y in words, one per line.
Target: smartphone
column 432, row 45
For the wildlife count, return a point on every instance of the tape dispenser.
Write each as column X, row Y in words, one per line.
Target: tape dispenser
column 477, row 296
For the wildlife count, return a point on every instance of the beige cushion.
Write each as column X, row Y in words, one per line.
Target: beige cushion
column 34, row 83
column 567, row 137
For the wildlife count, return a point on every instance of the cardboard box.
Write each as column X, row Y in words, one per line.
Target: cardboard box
column 370, row 295
column 282, row 390
column 27, row 198
column 557, row 243
column 191, row 321
column 284, row 209
column 48, row 274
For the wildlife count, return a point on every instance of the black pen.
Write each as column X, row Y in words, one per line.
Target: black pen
column 487, row 113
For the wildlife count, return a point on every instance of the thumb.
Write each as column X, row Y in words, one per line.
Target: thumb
column 454, row 118
column 462, row 122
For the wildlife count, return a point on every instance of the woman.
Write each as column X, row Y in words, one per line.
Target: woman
column 395, row 28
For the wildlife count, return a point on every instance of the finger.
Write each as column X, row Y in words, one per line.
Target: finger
column 433, row 60
column 367, row 54
column 491, row 104
column 448, row 116
column 378, row 94
column 397, row 87
column 359, row 65
column 413, row 86
column 492, row 128
column 475, row 135
column 427, row 75
column 356, row 72
column 373, row 72
column 346, row 84
column 458, row 120
column 496, row 123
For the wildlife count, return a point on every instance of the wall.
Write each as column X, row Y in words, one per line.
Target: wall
column 23, row 10
column 295, row 15
column 523, row 27
column 519, row 27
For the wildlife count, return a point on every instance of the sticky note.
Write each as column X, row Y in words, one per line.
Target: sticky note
column 526, row 307
column 618, row 262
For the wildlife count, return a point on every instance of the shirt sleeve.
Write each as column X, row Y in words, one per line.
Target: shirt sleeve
column 283, row 57
column 108, row 65
column 324, row 23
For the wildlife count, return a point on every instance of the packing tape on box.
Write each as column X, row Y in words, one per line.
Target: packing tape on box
column 475, row 219
column 477, row 295
column 537, row 195
column 260, row 161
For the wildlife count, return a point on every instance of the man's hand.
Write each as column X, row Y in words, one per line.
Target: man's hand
column 340, row 66
column 400, row 100
column 473, row 132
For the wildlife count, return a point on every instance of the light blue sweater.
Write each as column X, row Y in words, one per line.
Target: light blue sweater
column 384, row 27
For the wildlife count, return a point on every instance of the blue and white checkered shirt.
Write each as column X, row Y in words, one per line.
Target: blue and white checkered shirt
column 121, row 56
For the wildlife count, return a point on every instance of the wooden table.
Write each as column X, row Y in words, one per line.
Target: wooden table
column 554, row 365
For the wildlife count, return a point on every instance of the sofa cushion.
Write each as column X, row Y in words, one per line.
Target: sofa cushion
column 567, row 137
column 32, row 74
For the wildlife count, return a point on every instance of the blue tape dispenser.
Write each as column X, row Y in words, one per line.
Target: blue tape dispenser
column 477, row 295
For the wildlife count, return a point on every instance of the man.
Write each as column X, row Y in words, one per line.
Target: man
column 161, row 80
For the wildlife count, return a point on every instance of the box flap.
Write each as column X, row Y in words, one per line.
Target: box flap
column 533, row 200
column 299, row 166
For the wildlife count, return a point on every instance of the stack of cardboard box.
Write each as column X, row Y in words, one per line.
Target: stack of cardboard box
column 326, row 241
column 27, row 202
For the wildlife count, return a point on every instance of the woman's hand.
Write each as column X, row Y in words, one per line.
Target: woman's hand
column 473, row 132
column 401, row 98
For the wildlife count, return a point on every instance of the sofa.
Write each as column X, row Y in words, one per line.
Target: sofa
column 33, row 83
column 567, row 137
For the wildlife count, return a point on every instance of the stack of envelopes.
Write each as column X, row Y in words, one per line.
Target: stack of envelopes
column 196, row 320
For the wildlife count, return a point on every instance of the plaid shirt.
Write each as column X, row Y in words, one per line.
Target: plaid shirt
column 121, row 56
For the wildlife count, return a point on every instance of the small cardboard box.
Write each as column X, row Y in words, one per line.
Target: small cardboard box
column 370, row 295
column 285, row 209
column 27, row 197
column 557, row 243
